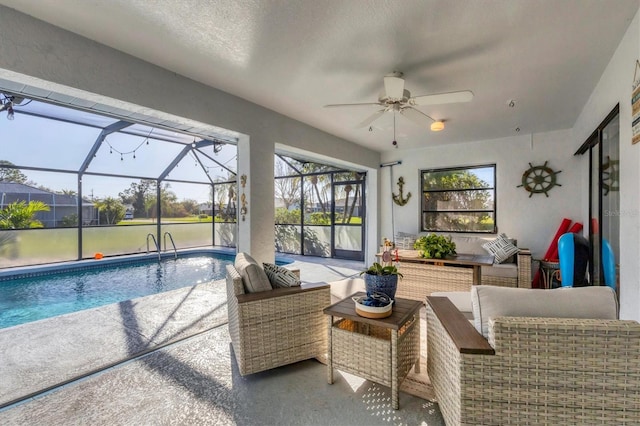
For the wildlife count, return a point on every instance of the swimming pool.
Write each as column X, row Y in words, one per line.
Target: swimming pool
column 38, row 293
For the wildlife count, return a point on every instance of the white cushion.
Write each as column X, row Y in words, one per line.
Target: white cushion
column 501, row 248
column 502, row 270
column 470, row 245
column 253, row 276
column 569, row 302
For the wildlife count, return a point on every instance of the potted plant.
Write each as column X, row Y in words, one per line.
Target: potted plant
column 434, row 246
column 382, row 279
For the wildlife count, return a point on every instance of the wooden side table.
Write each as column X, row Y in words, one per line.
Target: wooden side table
column 381, row 350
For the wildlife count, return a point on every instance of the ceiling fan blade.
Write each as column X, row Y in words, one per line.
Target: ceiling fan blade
column 442, row 98
column 373, row 117
column 394, row 87
column 418, row 117
column 353, row 105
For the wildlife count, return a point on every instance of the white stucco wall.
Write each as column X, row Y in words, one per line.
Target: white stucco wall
column 533, row 221
column 615, row 87
column 35, row 53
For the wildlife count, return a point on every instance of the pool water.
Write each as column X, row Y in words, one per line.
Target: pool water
column 29, row 299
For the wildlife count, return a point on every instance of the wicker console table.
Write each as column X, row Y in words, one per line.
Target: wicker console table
column 380, row 350
column 425, row 276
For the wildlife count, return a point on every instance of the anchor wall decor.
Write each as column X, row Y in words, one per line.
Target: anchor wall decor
column 399, row 199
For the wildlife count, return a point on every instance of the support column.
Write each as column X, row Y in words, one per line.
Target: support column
column 256, row 234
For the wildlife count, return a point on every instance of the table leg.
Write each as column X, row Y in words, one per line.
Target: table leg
column 395, row 403
column 329, row 352
column 477, row 275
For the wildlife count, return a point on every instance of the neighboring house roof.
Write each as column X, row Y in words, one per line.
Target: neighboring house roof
column 14, row 187
column 17, row 189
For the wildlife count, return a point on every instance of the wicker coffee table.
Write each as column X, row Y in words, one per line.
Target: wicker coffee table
column 381, row 350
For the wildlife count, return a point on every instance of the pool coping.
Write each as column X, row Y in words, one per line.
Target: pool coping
column 30, row 271
column 85, row 264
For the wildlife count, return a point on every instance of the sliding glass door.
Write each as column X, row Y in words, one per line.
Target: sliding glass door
column 604, row 196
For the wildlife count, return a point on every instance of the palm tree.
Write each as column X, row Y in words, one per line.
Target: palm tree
column 20, row 215
column 231, row 204
column 112, row 209
column 359, row 176
column 347, row 190
column 314, row 183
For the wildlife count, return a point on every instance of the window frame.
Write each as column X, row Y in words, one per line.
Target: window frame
column 423, row 208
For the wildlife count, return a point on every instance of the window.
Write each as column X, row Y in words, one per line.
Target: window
column 461, row 199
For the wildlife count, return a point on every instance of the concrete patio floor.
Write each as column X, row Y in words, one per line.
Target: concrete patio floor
column 167, row 359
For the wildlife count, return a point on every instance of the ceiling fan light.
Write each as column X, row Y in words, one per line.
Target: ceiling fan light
column 436, row 126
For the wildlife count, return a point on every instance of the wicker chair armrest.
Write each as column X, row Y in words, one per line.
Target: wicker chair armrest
column 464, row 336
column 278, row 292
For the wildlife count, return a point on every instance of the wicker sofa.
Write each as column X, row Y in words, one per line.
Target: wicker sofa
column 275, row 327
column 534, row 370
column 421, row 279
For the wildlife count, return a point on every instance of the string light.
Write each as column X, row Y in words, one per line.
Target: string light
column 122, row 153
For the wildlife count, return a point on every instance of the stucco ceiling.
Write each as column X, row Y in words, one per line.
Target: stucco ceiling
column 296, row 56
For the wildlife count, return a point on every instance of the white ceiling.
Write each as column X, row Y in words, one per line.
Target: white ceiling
column 296, row 56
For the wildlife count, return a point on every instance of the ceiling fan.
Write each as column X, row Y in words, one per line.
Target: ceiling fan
column 394, row 97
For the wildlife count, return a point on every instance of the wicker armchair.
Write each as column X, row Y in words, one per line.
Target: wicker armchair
column 278, row 327
column 533, row 370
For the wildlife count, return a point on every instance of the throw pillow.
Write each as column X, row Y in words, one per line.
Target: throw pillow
column 501, row 248
column 279, row 276
column 253, row 277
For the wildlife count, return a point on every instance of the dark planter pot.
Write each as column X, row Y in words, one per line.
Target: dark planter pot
column 386, row 284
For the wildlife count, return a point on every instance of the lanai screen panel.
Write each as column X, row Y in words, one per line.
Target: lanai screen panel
column 206, row 166
column 34, row 141
column 130, row 155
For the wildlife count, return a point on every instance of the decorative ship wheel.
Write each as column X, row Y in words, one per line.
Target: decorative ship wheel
column 539, row 179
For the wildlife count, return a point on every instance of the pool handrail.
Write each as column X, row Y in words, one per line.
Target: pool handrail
column 155, row 242
column 175, row 251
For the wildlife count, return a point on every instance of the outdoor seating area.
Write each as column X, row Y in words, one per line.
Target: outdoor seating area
column 494, row 354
